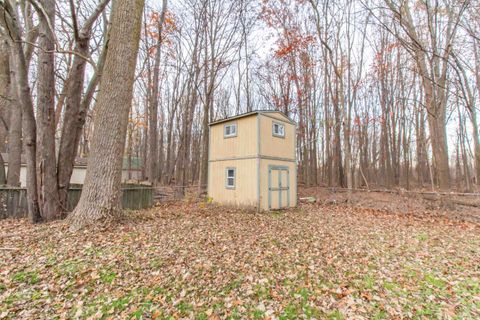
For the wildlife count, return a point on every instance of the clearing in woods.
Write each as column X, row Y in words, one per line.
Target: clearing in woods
column 191, row 260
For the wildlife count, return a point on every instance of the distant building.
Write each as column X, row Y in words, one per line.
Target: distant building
column 252, row 161
column 134, row 173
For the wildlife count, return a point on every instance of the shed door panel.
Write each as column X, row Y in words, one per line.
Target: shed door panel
column 278, row 187
column 284, row 189
column 274, row 195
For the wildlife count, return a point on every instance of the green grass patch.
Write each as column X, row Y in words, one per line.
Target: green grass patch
column 290, row 312
column 335, row 315
column 201, row 316
column 262, row 292
column 30, row 277
column 155, row 263
column 184, row 308
column 257, row 314
column 235, row 284
column 107, row 276
column 70, row 267
column 435, row 282
column 380, row 315
column 368, row 282
column 422, row 237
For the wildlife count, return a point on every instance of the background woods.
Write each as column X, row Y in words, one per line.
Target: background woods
column 385, row 93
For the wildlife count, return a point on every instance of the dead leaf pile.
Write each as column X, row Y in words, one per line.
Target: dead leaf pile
column 197, row 261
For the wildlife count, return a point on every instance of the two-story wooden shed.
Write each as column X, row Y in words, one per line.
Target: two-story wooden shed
column 252, row 161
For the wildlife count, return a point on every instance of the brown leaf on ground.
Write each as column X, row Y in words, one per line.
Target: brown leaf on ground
column 194, row 261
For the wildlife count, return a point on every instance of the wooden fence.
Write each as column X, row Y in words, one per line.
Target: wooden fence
column 13, row 201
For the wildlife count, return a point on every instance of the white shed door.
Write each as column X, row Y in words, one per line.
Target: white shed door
column 278, row 187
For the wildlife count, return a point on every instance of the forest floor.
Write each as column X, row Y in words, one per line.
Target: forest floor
column 455, row 206
column 196, row 261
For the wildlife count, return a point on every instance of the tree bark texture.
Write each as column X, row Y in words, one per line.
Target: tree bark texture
column 101, row 195
column 47, row 168
column 14, row 131
column 75, row 110
column 5, row 101
column 153, row 105
column 28, row 116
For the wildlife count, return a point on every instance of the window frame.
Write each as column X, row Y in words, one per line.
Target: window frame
column 278, row 135
column 231, row 124
column 227, row 186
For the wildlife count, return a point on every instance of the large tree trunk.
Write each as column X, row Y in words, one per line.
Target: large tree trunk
column 438, row 137
column 47, row 169
column 28, row 117
column 101, row 195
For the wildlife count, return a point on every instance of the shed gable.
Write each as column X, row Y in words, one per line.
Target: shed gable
column 233, row 139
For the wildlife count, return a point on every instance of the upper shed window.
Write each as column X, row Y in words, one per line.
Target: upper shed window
column 278, row 130
column 230, row 130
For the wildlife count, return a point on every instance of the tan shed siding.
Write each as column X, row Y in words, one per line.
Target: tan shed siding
column 245, row 192
column 273, row 146
column 264, row 163
column 242, row 145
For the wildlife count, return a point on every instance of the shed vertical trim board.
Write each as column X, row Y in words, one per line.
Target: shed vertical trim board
column 280, row 189
column 258, row 162
column 209, row 168
column 269, row 187
column 296, row 164
column 288, row 191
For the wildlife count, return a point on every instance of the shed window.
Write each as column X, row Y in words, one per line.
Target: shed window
column 230, row 183
column 278, row 129
column 230, row 130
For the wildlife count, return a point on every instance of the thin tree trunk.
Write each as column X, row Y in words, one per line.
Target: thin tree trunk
column 6, row 101
column 75, row 110
column 152, row 156
column 14, row 133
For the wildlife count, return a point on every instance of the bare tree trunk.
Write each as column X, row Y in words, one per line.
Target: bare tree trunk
column 14, row 133
column 75, row 110
column 101, row 195
column 152, row 156
column 469, row 98
column 432, row 61
column 47, row 169
column 28, row 117
column 475, row 127
column 463, row 150
column 209, row 84
column 6, row 101
column 168, row 160
column 438, row 137
column 205, row 141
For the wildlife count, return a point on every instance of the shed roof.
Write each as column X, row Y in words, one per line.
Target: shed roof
column 251, row 113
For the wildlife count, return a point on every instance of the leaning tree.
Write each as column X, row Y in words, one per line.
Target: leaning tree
column 101, row 195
